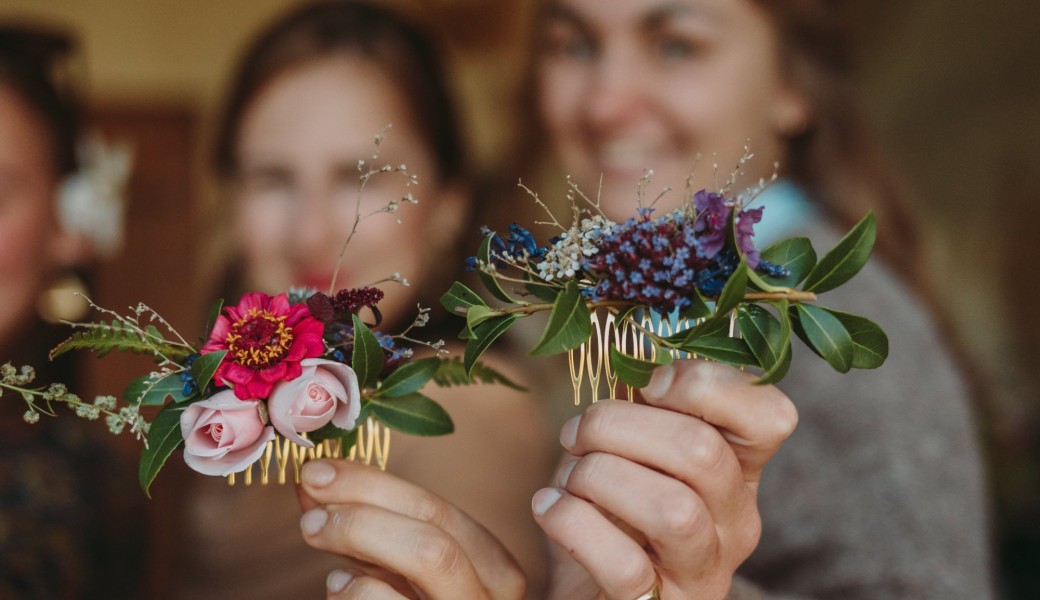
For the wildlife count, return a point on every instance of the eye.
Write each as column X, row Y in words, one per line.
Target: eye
column 564, row 40
column 267, row 181
column 676, row 48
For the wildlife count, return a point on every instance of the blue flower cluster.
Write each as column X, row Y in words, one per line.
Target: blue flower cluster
column 519, row 246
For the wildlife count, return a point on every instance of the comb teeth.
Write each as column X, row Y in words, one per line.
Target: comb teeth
column 590, row 367
column 372, row 446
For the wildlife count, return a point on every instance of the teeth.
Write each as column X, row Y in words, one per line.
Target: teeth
column 627, row 154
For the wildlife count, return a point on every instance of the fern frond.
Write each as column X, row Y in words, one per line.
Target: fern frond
column 452, row 371
column 106, row 337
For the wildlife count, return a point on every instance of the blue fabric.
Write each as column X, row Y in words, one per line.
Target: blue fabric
column 787, row 209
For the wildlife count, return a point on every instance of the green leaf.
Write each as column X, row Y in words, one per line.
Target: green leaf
column 764, row 334
column 214, row 312
column 825, row 335
column 367, row 360
column 732, row 351
column 569, row 323
column 845, row 259
column 170, row 386
column 414, row 414
column 134, row 390
column 698, row 308
column 459, row 296
column 205, row 367
column 452, row 372
column 634, row 371
column 408, row 378
column 104, row 338
column 164, row 436
column 490, row 281
column 733, row 292
column 869, row 341
column 483, row 336
column 542, row 290
column 796, row 255
column 330, row 432
column 478, row 314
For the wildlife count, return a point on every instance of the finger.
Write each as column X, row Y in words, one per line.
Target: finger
column 424, row 554
column 679, row 445
column 342, row 482
column 756, row 419
column 615, row 561
column 672, row 517
column 346, row 585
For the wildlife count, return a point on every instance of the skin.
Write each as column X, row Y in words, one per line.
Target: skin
column 655, row 493
column 31, row 244
column 653, row 84
column 298, row 185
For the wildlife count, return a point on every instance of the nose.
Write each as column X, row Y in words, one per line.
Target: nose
column 314, row 228
column 616, row 91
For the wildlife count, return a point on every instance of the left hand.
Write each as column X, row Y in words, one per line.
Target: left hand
column 663, row 493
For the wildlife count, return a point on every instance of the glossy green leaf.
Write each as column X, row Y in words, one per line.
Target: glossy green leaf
column 478, row 314
column 845, row 259
column 414, row 414
column 698, row 308
column 330, row 432
column 134, row 390
column 634, row 371
column 409, row 378
column 164, row 436
column 732, row 351
column 458, row 297
column 493, row 285
column 205, row 367
column 869, row 341
column 796, row 255
column 156, row 392
column 764, row 334
column 483, row 336
column 452, row 371
column 214, row 312
column 717, row 326
column 367, row 360
column 825, row 335
column 733, row 292
column 542, row 290
column 569, row 323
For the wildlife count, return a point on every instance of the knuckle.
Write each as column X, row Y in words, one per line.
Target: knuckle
column 437, row 552
column 681, row 515
column 596, row 419
column 635, row 576
column 703, row 447
column 432, row 510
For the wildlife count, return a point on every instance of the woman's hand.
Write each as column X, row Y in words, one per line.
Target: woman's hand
column 403, row 541
column 664, row 493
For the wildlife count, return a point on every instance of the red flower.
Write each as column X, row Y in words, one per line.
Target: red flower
column 266, row 338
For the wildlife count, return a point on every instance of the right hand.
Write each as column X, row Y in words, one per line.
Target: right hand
column 401, row 540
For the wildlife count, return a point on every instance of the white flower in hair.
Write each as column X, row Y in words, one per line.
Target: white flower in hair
column 91, row 201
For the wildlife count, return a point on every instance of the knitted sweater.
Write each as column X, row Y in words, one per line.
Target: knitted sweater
column 880, row 492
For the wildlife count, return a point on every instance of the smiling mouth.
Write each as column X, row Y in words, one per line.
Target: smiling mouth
column 629, row 156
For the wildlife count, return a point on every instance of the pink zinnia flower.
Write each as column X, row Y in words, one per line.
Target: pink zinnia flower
column 266, row 338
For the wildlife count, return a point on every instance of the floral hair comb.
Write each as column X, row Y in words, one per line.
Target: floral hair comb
column 626, row 298
column 276, row 381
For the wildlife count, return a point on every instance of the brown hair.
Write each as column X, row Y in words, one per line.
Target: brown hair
column 836, row 158
column 30, row 62
column 328, row 28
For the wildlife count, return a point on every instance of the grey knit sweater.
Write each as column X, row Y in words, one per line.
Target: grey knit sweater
column 880, row 492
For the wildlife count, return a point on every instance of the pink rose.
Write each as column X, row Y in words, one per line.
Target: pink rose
column 325, row 391
column 223, row 435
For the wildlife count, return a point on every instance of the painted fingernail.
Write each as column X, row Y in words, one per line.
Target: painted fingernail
column 313, row 520
column 565, row 473
column 569, row 432
column 318, row 473
column 660, row 381
column 337, row 580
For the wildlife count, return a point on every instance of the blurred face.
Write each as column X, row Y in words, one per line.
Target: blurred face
column 630, row 85
column 28, row 231
column 298, row 149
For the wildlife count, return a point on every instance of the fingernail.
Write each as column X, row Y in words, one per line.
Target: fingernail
column 544, row 499
column 660, row 381
column 569, row 432
column 313, row 520
column 565, row 473
column 318, row 473
column 337, row 580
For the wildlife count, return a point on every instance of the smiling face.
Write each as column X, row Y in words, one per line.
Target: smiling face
column 632, row 85
column 298, row 149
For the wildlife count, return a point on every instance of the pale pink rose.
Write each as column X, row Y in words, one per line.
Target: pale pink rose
column 223, row 435
column 326, row 391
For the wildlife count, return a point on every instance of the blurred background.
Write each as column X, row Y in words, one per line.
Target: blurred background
column 951, row 85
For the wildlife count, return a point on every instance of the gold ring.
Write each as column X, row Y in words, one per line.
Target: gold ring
column 653, row 594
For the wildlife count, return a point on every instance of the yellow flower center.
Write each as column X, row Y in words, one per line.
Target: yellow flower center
column 258, row 339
